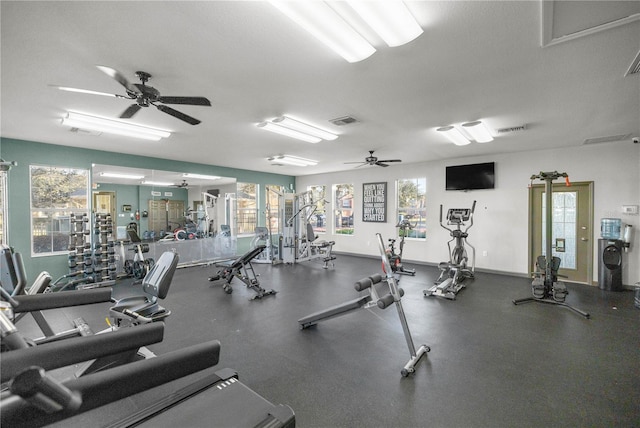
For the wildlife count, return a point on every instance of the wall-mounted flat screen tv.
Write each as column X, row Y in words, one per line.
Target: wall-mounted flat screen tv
column 471, row 177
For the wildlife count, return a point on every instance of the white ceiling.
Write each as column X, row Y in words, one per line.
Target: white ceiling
column 475, row 60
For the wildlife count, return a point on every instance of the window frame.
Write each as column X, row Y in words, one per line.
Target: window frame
column 246, row 228
column 57, row 214
column 345, row 203
column 420, row 207
column 319, row 218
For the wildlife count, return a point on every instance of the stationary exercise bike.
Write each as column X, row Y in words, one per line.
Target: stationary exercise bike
column 454, row 272
column 395, row 260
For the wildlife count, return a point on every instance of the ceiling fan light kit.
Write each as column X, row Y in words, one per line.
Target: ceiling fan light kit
column 110, row 126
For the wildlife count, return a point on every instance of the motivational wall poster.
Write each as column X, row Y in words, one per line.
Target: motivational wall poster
column 374, row 202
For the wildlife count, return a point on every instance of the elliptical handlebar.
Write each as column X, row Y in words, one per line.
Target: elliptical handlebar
column 461, row 217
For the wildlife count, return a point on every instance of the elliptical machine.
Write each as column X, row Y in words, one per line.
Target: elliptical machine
column 454, row 272
column 395, row 260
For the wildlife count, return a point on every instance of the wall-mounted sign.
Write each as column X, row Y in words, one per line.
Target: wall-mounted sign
column 126, row 208
column 154, row 193
column 168, row 193
column 374, row 202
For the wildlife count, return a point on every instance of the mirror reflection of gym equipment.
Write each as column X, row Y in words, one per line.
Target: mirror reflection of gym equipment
column 454, row 272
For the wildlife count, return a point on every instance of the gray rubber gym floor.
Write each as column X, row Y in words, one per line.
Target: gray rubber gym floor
column 492, row 364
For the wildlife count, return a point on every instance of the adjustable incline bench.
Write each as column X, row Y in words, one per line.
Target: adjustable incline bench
column 242, row 269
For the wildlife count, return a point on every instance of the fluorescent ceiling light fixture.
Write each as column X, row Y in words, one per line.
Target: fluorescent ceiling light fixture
column 270, row 126
column 292, row 160
column 297, row 125
column 478, row 131
column 121, row 175
column 391, row 19
column 157, row 183
column 110, row 126
column 319, row 19
column 454, row 135
column 201, row 176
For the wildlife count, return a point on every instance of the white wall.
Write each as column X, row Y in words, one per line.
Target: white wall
column 501, row 218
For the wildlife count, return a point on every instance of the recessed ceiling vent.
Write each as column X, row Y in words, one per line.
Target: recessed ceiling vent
column 609, row 139
column 634, row 68
column 342, row 121
column 512, row 129
column 85, row 132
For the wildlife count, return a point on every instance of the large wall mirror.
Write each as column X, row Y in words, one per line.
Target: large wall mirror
column 168, row 211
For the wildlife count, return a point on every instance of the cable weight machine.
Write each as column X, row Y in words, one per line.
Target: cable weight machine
column 545, row 286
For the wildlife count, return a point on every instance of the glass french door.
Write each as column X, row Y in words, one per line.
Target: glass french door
column 572, row 224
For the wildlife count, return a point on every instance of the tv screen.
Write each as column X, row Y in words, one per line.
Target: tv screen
column 470, row 177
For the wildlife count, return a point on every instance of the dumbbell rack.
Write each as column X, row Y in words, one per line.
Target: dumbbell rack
column 91, row 268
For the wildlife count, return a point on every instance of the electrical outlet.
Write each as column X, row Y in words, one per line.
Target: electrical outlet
column 484, row 253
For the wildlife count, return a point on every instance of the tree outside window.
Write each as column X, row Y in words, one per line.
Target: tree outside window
column 274, row 194
column 247, row 208
column 343, row 203
column 411, row 194
column 319, row 218
column 56, row 193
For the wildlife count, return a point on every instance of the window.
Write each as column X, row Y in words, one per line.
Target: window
column 56, row 193
column 319, row 218
column 247, row 203
column 274, row 198
column 343, row 209
column 411, row 194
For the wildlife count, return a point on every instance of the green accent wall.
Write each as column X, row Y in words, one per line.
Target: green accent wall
column 27, row 153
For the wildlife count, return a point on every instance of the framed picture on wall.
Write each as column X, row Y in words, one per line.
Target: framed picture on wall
column 374, row 202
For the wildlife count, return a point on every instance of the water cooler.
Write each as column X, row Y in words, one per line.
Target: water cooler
column 610, row 249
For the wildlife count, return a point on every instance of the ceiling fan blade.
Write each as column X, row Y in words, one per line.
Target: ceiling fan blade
column 353, row 162
column 194, row 101
column 119, row 77
column 379, row 163
column 391, row 160
column 87, row 91
column 128, row 113
column 175, row 113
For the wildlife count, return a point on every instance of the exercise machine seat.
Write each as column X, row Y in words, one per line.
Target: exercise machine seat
column 155, row 286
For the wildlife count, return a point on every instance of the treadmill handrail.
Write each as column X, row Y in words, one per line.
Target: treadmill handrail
column 104, row 387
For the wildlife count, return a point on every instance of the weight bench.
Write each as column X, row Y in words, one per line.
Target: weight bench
column 242, row 269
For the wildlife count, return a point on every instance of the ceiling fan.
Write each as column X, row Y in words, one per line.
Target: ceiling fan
column 183, row 185
column 372, row 160
column 145, row 96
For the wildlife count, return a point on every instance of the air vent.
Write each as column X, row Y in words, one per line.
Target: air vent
column 609, row 139
column 342, row 121
column 85, row 132
column 634, row 68
column 512, row 129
